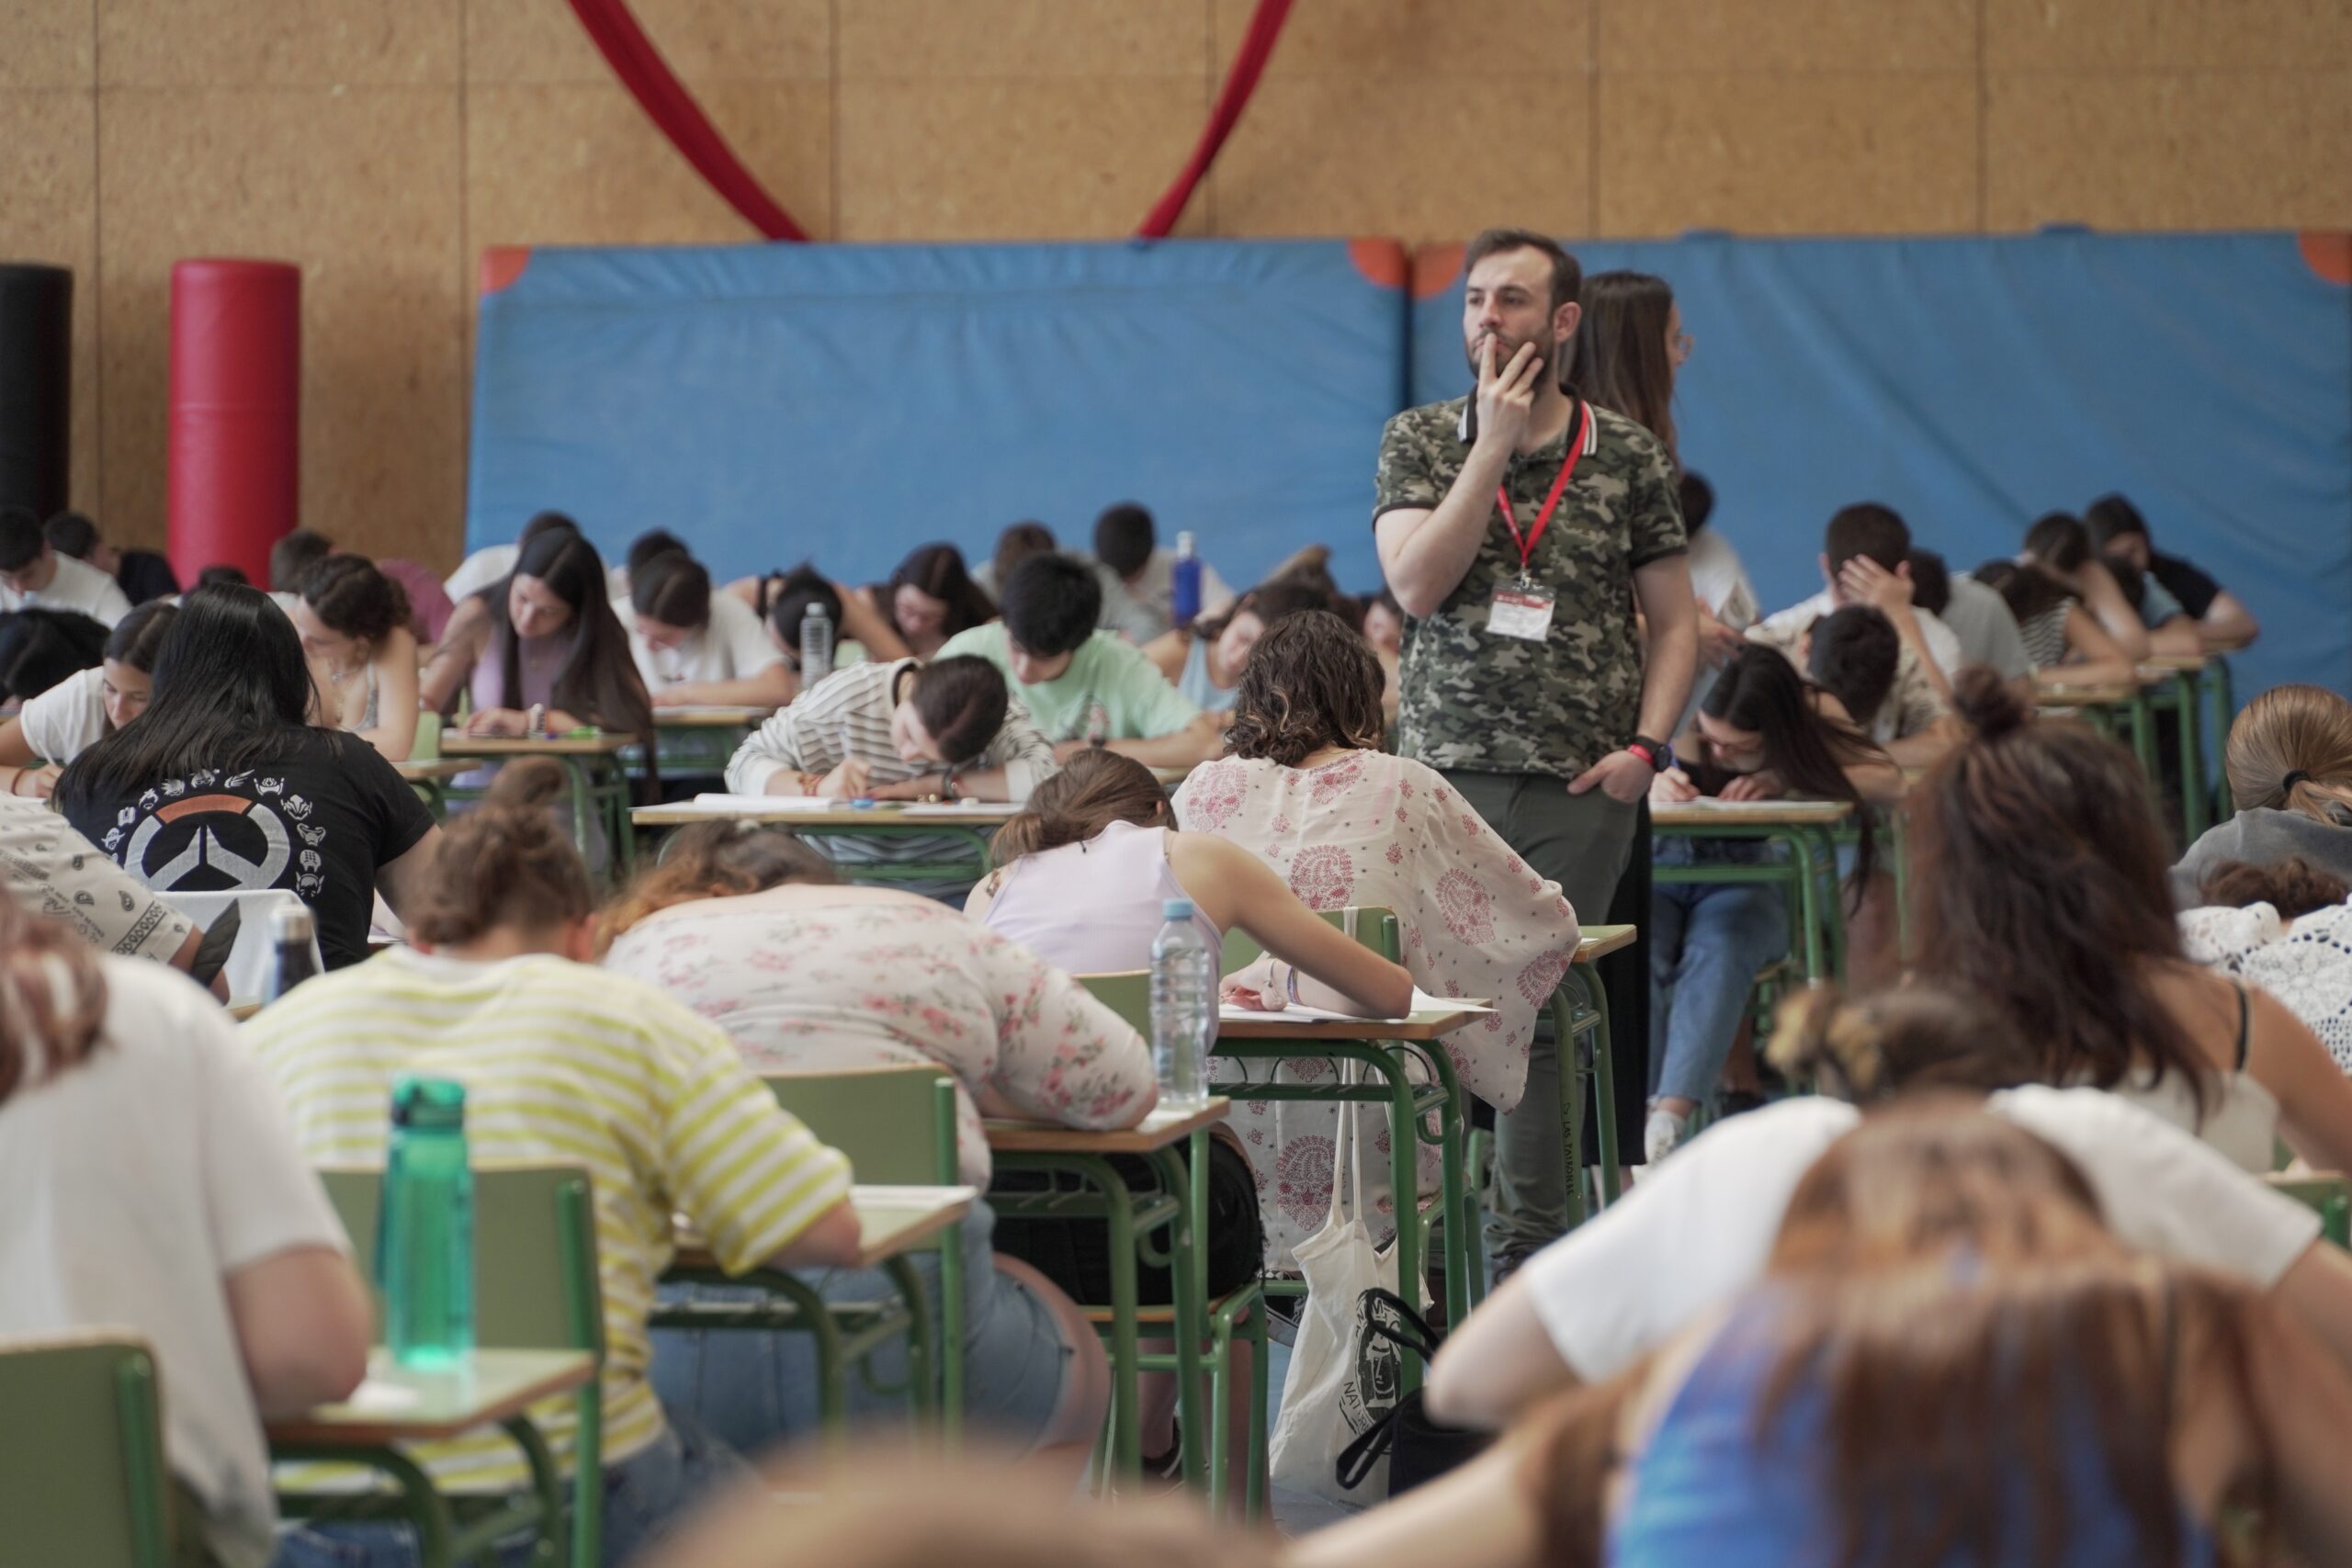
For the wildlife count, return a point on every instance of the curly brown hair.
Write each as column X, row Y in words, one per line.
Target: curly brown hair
column 1310, row 683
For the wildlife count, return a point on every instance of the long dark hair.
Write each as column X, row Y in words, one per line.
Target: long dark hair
column 1310, row 682
column 2040, row 886
column 599, row 679
column 1621, row 350
column 2059, row 541
column 938, row 570
column 2027, row 589
column 139, row 635
column 1760, row 690
column 40, row 647
column 350, row 595
column 231, row 693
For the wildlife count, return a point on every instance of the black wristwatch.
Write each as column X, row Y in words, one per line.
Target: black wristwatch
column 1657, row 753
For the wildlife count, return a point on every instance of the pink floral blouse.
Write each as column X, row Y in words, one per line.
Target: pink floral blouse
column 890, row 979
column 1474, row 920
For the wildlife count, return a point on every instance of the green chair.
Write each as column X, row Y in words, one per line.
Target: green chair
column 2329, row 1194
column 535, row 1288
column 1229, row 1316
column 83, row 1478
column 896, row 1125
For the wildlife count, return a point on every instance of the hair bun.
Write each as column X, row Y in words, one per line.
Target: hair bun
column 1985, row 703
column 527, row 785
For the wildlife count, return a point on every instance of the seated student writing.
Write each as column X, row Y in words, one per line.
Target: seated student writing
column 1759, row 734
column 2039, row 885
column 1084, row 687
column 753, row 930
column 1139, row 574
column 1948, row 1359
column 1304, row 788
column 1865, row 559
column 43, row 650
column 2148, row 623
column 782, row 598
column 2066, row 643
column 1978, row 617
column 904, row 730
column 353, row 623
column 545, row 637
column 1205, row 661
column 2221, row 620
column 929, row 599
column 562, row 1063
column 224, row 785
column 1852, row 655
column 1696, row 1234
column 33, row 575
column 142, row 575
column 2288, row 759
column 694, row 647
column 1016, row 544
column 154, row 1190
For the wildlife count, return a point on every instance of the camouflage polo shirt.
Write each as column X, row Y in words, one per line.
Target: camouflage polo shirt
column 1483, row 702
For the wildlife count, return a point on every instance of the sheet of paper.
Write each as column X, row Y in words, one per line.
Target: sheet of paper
column 725, row 805
column 884, row 1197
column 381, row 1398
column 1422, row 1002
column 1733, row 807
column 965, row 808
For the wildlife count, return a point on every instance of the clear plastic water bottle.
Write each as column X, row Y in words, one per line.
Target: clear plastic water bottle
column 816, row 645
column 424, row 1235
column 1183, row 1007
column 1184, row 582
column 292, row 934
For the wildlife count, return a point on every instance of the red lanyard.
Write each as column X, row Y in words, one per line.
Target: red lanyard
column 1543, row 518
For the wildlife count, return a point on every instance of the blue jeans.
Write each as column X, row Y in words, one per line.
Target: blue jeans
column 1707, row 944
column 644, row 1495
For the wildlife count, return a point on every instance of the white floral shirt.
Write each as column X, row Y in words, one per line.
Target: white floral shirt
column 1474, row 920
column 2307, row 965
column 890, row 979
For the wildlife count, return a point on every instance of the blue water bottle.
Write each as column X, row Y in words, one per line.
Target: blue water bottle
column 1183, row 1007
column 1184, row 582
column 424, row 1234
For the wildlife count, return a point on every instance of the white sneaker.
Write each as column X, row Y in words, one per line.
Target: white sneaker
column 1663, row 1134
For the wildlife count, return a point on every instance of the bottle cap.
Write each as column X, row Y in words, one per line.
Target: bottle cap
column 427, row 1102
column 290, row 922
column 1184, row 542
column 1176, row 910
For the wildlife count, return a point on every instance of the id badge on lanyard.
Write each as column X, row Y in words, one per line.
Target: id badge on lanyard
column 1521, row 609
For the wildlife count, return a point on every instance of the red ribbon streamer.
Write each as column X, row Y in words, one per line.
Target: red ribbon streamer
column 667, row 103
column 675, row 111
column 1249, row 64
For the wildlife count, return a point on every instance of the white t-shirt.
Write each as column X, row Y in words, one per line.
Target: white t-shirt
column 1720, row 582
column 730, row 647
column 137, row 1182
column 67, row 719
column 78, row 586
column 1699, row 1229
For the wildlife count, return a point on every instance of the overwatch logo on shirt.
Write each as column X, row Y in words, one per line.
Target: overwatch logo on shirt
column 216, row 841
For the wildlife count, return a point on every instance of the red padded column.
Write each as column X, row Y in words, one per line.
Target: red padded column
column 235, row 443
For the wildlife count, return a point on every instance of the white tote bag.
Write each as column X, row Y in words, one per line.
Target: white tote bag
column 1341, row 1380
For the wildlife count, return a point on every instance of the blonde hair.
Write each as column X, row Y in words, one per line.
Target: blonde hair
column 2291, row 751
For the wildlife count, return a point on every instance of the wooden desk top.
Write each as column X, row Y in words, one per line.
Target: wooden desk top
column 2046, row 696
column 710, row 718
column 1156, row 1130
column 400, row 1405
column 599, row 745
column 1765, row 813
column 1600, row 941
column 978, row 814
column 890, row 1220
column 1420, row 1026
column 439, row 768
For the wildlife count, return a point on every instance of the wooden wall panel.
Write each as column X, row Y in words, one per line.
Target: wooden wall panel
column 47, row 43
column 1433, row 38
column 355, row 186
column 2167, row 35
column 1788, row 35
column 704, row 40
column 220, row 43
column 960, row 39
column 1818, row 154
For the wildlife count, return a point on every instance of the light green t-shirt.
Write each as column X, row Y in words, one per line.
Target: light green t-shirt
column 1110, row 692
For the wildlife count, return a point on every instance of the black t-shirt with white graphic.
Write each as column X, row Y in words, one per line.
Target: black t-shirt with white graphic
column 316, row 821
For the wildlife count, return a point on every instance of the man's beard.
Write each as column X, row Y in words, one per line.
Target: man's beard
column 1504, row 349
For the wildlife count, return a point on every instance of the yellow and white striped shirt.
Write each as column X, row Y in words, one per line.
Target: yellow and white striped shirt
column 562, row 1063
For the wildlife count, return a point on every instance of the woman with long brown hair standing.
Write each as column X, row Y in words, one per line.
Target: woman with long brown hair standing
column 2039, row 885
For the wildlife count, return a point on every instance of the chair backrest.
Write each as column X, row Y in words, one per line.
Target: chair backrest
column 1127, row 993
column 83, row 1478
column 535, row 1252
column 1376, row 928
column 896, row 1123
column 2328, row 1193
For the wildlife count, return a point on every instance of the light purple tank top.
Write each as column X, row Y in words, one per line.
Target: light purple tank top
column 539, row 660
column 1092, row 908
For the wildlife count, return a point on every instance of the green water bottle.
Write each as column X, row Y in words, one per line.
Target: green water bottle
column 424, row 1237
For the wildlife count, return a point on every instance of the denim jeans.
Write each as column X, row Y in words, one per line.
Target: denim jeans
column 1707, row 943
column 644, row 1495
